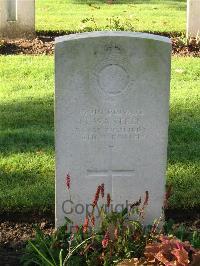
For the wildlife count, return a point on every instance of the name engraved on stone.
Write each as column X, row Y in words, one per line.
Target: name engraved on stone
column 110, row 124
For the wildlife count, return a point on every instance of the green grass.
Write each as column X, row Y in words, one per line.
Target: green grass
column 184, row 133
column 27, row 138
column 27, row 141
column 144, row 15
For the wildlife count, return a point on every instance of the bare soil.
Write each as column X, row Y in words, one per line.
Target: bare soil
column 44, row 44
column 14, row 235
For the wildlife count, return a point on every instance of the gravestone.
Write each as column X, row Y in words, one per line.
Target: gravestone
column 17, row 18
column 193, row 18
column 111, row 119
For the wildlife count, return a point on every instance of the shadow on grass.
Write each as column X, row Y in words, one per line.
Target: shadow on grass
column 184, row 134
column 26, row 183
column 179, row 5
column 26, row 190
column 27, row 126
column 126, row 1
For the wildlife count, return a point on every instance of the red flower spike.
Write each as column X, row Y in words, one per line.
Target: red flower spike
column 136, row 204
column 76, row 227
column 68, row 180
column 108, row 200
column 146, row 198
column 102, row 190
column 85, row 226
column 96, row 198
column 93, row 220
column 105, row 240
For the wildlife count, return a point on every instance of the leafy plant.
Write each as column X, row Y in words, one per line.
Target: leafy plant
column 118, row 238
column 120, row 23
column 46, row 249
column 182, row 233
column 113, row 23
column 171, row 251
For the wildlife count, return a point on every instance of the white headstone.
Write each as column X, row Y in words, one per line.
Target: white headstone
column 111, row 118
column 193, row 18
column 17, row 18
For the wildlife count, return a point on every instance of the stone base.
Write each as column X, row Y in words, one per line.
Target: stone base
column 17, row 19
column 14, row 31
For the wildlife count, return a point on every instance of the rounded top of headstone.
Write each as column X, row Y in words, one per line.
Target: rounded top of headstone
column 96, row 34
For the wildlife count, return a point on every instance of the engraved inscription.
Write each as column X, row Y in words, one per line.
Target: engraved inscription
column 113, row 79
column 110, row 124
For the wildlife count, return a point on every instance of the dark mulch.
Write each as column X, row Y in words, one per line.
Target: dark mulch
column 13, row 238
column 44, row 44
column 37, row 46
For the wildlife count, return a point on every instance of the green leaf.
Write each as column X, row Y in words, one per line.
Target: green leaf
column 60, row 257
column 124, row 212
column 41, row 255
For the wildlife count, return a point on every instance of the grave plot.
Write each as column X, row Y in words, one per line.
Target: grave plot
column 107, row 80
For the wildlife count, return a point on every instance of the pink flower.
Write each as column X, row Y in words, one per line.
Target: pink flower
column 102, row 190
column 67, row 180
column 105, row 240
column 108, row 200
column 93, row 220
column 96, row 197
column 146, row 198
column 85, row 226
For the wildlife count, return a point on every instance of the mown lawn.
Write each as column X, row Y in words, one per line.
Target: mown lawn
column 138, row 15
column 27, row 137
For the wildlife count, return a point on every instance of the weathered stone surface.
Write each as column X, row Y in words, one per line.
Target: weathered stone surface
column 111, row 118
column 17, row 18
column 193, row 18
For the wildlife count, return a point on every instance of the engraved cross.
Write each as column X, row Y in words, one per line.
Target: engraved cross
column 110, row 173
